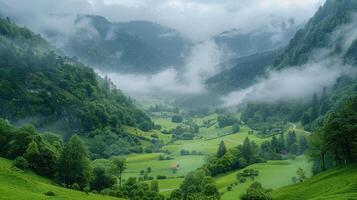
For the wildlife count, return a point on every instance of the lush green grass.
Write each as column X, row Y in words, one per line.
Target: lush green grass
column 334, row 184
column 138, row 162
column 272, row 175
column 210, row 145
column 18, row 185
column 166, row 123
column 135, row 131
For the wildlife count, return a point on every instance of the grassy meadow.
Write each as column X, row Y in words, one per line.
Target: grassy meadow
column 31, row 186
column 272, row 175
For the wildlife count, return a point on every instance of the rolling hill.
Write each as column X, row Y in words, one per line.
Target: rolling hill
column 334, row 184
column 16, row 184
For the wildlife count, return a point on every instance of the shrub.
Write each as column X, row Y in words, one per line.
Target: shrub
column 50, row 193
column 161, row 177
column 75, row 186
column 229, row 188
column 21, row 163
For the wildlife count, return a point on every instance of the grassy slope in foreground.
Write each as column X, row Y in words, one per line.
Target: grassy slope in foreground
column 334, row 184
column 27, row 185
column 273, row 174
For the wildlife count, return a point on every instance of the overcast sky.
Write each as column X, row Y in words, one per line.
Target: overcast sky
column 196, row 19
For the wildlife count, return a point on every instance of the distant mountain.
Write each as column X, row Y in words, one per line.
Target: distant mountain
column 137, row 46
column 274, row 36
column 244, row 72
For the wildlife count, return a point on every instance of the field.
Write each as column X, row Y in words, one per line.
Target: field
column 272, row 175
column 135, row 163
column 334, row 184
column 31, row 186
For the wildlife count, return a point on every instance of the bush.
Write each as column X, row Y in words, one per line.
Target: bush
column 161, row 177
column 21, row 163
column 229, row 188
column 50, row 193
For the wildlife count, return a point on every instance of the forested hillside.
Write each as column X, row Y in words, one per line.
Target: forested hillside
column 57, row 93
column 326, row 30
column 137, row 46
column 245, row 72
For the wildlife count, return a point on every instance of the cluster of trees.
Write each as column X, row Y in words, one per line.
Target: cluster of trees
column 256, row 192
column 226, row 120
column 335, row 141
column 163, row 108
column 176, row 118
column 197, row 185
column 234, row 158
column 281, row 146
column 181, row 133
column 68, row 163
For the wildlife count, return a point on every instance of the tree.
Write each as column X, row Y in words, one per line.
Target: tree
column 303, row 144
column 222, row 149
column 154, row 186
column 317, row 149
column 294, row 149
column 74, row 165
column 256, row 192
column 176, row 195
column 100, row 179
column 118, row 167
column 340, row 132
column 21, row 163
column 301, row 174
column 176, row 118
column 236, row 128
column 247, row 150
column 291, row 138
column 32, row 154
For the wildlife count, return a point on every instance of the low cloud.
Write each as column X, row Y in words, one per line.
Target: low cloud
column 289, row 84
column 200, row 65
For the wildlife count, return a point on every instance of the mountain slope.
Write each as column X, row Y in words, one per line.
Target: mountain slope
column 57, row 93
column 136, row 46
column 329, row 30
column 319, row 33
column 15, row 184
column 334, row 184
column 244, row 73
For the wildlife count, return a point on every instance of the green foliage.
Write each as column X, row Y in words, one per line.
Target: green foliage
column 58, row 93
column 236, row 128
column 154, row 186
column 226, row 120
column 21, row 163
column 101, row 179
column 222, row 149
column 118, row 166
column 336, row 137
column 176, row 118
column 198, row 184
column 256, row 192
column 73, row 167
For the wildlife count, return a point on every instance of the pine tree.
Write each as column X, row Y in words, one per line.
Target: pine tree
column 247, row 151
column 222, row 149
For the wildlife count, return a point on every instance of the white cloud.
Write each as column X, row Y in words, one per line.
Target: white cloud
column 201, row 64
column 293, row 83
column 196, row 19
